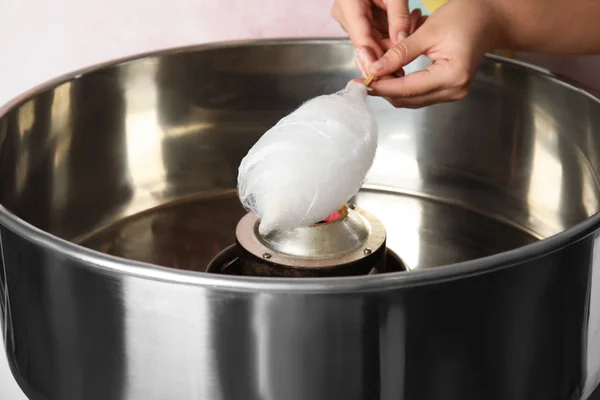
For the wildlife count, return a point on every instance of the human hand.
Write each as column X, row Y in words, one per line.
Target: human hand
column 455, row 38
column 374, row 26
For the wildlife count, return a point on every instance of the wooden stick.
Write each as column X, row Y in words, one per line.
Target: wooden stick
column 368, row 81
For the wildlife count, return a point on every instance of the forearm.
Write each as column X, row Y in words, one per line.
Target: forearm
column 551, row 26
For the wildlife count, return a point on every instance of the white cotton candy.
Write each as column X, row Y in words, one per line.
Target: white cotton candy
column 311, row 162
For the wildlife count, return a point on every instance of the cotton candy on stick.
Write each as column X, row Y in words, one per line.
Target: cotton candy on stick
column 311, row 162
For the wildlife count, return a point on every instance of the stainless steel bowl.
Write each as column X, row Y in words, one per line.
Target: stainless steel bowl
column 117, row 187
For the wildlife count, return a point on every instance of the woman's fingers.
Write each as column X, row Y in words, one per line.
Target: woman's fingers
column 441, row 74
column 435, row 97
column 356, row 18
column 442, row 81
column 402, row 54
column 455, row 38
column 380, row 21
column 399, row 19
column 364, row 57
column 384, row 57
column 415, row 18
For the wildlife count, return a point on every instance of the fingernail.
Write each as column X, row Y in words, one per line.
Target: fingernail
column 377, row 66
column 359, row 57
column 360, row 54
column 401, row 36
column 360, row 67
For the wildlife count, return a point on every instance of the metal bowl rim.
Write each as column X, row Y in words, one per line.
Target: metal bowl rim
column 111, row 265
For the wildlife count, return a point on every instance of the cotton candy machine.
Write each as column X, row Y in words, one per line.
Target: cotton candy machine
column 465, row 268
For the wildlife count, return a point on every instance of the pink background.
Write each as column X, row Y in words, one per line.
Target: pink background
column 45, row 38
column 41, row 39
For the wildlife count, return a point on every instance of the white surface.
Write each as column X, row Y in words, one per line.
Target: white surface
column 9, row 390
column 42, row 39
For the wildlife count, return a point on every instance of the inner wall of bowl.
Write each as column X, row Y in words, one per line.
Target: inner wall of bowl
column 519, row 152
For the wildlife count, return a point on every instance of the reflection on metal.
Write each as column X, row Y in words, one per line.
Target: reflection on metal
column 545, row 185
column 397, row 146
column 26, row 117
column 5, row 309
column 60, row 120
column 323, row 241
column 143, row 132
column 22, row 171
column 61, row 125
column 193, row 129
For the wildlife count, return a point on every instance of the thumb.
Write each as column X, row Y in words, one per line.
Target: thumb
column 398, row 19
column 401, row 54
